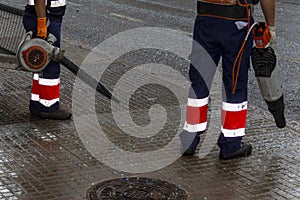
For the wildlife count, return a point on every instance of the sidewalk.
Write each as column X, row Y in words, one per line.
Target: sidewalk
column 45, row 159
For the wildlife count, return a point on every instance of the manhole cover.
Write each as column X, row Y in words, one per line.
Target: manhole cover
column 136, row 188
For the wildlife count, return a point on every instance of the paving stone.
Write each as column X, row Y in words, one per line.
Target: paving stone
column 45, row 159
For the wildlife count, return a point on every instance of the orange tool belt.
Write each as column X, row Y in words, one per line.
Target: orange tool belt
column 228, row 9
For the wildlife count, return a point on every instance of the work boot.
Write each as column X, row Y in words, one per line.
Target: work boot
column 191, row 150
column 59, row 114
column 189, row 142
column 244, row 151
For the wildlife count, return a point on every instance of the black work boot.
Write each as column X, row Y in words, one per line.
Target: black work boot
column 189, row 142
column 244, row 151
column 190, row 151
column 59, row 114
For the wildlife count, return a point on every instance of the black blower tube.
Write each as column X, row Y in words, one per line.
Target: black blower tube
column 88, row 79
column 276, row 108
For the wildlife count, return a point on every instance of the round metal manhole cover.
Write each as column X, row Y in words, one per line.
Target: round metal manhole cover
column 136, row 188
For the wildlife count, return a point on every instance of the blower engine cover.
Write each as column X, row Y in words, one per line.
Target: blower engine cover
column 34, row 54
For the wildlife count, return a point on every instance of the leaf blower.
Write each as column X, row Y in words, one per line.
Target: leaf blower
column 34, row 54
column 266, row 72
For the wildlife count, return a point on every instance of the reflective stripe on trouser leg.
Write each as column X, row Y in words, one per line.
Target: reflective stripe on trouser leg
column 45, row 91
column 49, row 91
column 234, row 119
column 196, row 115
column 35, row 91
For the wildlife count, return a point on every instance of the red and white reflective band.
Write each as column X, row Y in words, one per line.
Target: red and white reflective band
column 45, row 91
column 234, row 119
column 54, row 4
column 31, row 2
column 35, row 88
column 58, row 3
column 49, row 82
column 196, row 115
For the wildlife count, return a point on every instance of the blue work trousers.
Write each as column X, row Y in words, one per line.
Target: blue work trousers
column 220, row 38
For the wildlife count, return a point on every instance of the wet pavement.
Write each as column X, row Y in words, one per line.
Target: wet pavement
column 46, row 159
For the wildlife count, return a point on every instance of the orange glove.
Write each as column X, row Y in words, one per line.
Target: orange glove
column 42, row 27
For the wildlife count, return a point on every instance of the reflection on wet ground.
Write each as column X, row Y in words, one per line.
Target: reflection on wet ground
column 45, row 159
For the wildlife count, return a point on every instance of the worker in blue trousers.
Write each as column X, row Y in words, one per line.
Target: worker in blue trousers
column 43, row 17
column 220, row 28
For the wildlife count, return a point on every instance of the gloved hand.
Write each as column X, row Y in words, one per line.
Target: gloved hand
column 273, row 34
column 42, row 27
